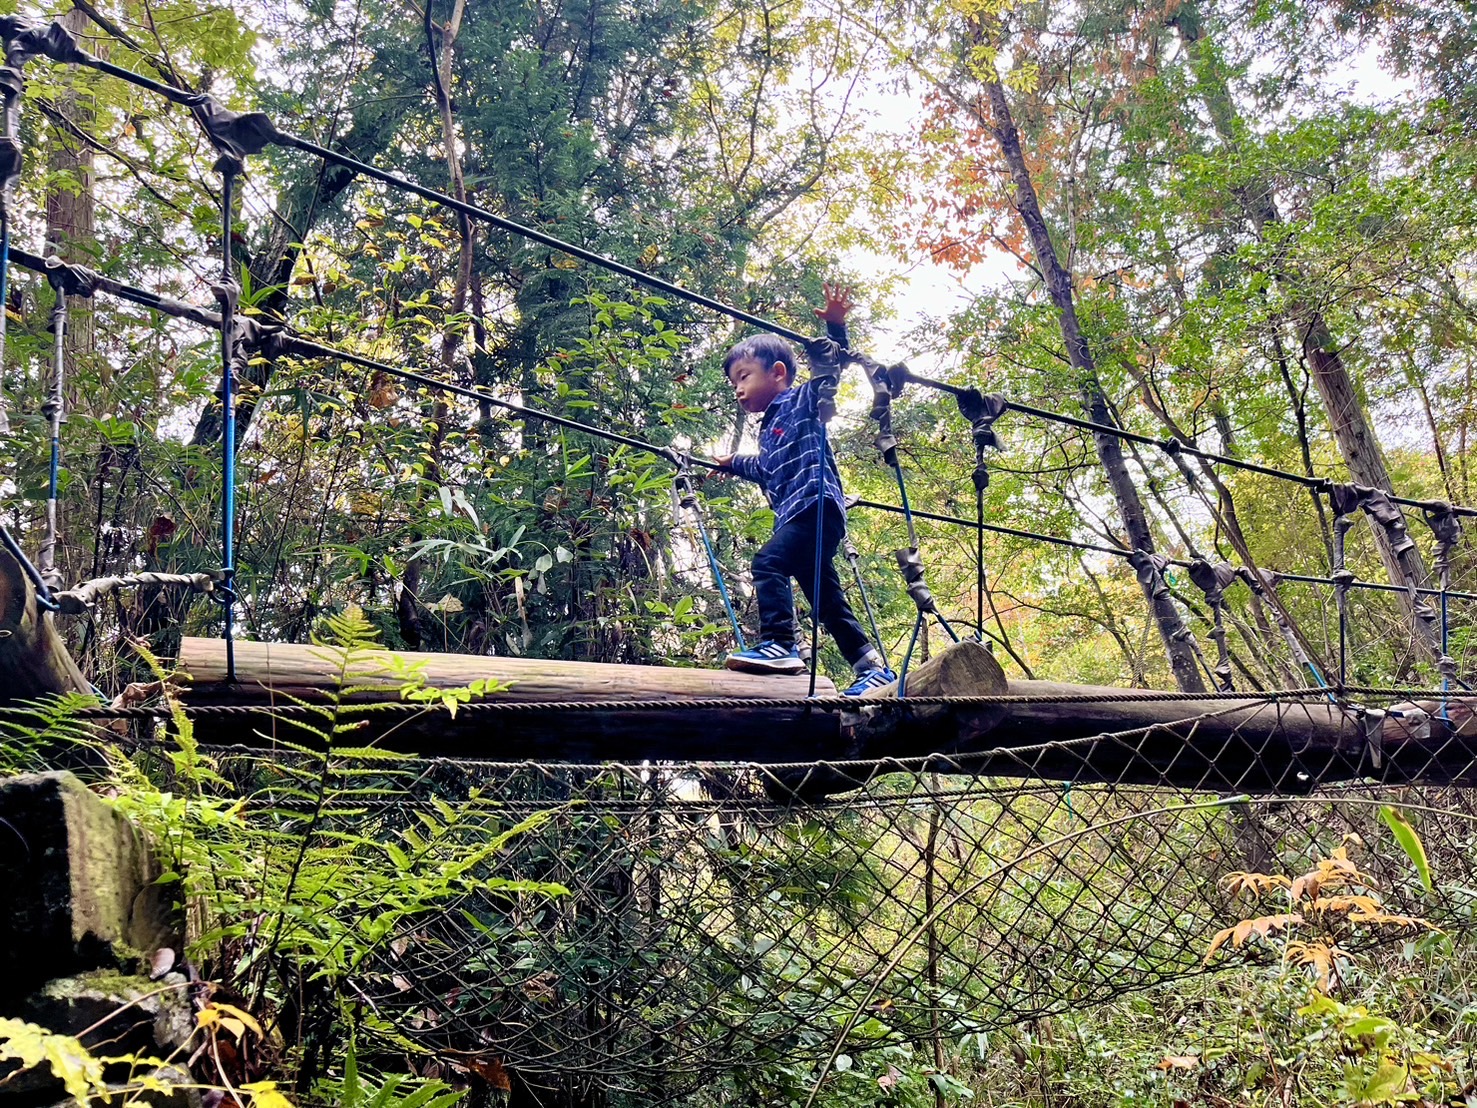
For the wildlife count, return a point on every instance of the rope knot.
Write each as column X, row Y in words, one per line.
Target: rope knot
column 25, row 40
column 1446, row 527
column 910, row 562
column 1383, row 510
column 236, row 135
column 70, row 280
column 1344, row 499
column 1149, row 568
column 228, row 294
column 682, row 481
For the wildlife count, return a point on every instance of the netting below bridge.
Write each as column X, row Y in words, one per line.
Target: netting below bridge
column 709, row 924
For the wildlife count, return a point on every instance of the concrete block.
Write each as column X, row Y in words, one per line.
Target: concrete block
column 76, row 886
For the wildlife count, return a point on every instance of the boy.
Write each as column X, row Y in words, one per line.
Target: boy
column 794, row 459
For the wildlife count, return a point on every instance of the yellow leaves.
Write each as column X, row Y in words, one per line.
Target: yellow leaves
column 264, row 1094
column 981, row 9
column 1320, row 956
column 1310, row 897
column 1385, row 919
column 1365, row 903
column 1261, row 927
column 70, row 1062
column 1025, row 77
column 229, row 1018
column 1178, row 1062
column 1253, row 884
column 1335, row 871
column 365, row 502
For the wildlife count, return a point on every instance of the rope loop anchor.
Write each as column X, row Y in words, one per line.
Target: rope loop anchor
column 825, row 356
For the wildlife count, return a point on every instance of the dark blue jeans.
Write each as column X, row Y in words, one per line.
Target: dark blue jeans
column 790, row 552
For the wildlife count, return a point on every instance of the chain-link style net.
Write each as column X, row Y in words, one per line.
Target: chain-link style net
column 714, row 919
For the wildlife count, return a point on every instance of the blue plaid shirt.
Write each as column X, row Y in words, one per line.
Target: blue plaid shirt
column 794, row 456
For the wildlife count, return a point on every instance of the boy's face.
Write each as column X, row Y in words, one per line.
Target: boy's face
column 755, row 386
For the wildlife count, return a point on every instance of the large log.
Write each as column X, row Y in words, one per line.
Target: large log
column 1222, row 745
column 270, row 673
column 1058, row 732
column 34, row 662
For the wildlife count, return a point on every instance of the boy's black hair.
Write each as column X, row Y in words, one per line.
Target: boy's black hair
column 766, row 350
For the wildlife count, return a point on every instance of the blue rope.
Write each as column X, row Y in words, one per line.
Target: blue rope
column 815, row 592
column 53, row 411
column 1445, row 646
column 4, row 294
column 902, row 488
column 43, row 591
column 945, row 624
column 702, row 529
column 228, row 431
column 902, row 677
column 861, row 587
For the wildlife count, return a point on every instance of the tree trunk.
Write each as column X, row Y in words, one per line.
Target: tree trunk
column 70, row 201
column 1172, row 631
column 34, row 661
column 1347, row 419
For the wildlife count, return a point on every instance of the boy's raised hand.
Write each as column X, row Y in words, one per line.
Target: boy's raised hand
column 838, row 303
column 723, row 461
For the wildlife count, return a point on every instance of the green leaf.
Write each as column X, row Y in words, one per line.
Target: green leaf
column 1409, row 841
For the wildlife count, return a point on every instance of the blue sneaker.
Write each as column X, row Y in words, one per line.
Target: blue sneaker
column 872, row 679
column 767, row 657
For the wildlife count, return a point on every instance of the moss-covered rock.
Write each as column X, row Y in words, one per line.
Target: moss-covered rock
column 79, row 886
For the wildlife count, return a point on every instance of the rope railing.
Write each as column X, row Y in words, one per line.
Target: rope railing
column 239, row 135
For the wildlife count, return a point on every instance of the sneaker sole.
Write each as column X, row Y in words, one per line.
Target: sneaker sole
column 780, row 666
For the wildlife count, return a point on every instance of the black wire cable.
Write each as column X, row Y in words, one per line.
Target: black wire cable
column 309, row 348
column 196, row 102
column 1121, row 552
column 1175, row 445
column 543, row 238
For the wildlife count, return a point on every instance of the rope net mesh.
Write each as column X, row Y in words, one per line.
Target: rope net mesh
column 716, row 916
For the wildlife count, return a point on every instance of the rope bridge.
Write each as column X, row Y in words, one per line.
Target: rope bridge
column 787, row 912
column 238, row 136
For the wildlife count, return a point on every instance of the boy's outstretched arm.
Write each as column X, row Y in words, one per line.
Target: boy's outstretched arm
column 741, row 465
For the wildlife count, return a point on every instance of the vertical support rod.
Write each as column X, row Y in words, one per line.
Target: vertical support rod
column 228, row 295
column 815, row 592
column 854, row 558
column 53, row 410
column 687, row 498
column 4, row 298
column 1342, row 580
column 1445, row 641
column 902, row 488
column 902, row 676
column 979, row 560
column 12, row 84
